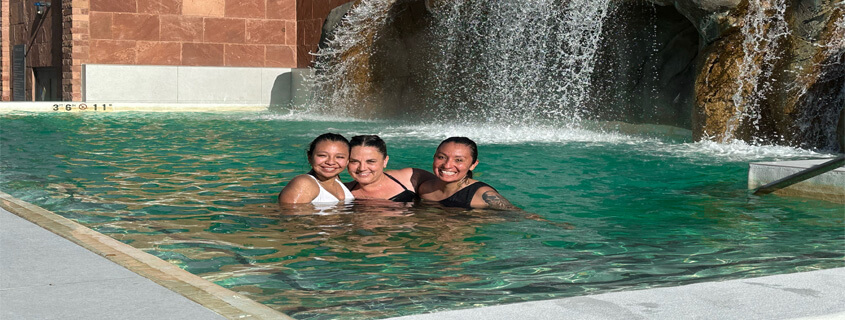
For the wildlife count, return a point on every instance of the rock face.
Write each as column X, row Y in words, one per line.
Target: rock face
column 763, row 71
column 373, row 67
column 773, row 74
column 769, row 71
column 647, row 68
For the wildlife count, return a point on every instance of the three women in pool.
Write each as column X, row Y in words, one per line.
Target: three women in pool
column 366, row 158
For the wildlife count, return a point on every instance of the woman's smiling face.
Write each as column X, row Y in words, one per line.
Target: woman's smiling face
column 453, row 161
column 366, row 164
column 329, row 158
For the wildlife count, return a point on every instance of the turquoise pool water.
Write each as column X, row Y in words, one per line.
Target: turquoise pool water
column 647, row 209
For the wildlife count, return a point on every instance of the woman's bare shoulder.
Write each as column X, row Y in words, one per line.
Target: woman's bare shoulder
column 302, row 179
column 300, row 189
column 406, row 176
column 401, row 174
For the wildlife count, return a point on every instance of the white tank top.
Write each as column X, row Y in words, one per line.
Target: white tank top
column 326, row 197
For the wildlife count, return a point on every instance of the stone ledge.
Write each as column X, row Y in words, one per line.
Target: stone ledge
column 829, row 186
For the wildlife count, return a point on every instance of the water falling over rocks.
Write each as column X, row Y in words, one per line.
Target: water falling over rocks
column 373, row 63
column 775, row 76
column 763, row 71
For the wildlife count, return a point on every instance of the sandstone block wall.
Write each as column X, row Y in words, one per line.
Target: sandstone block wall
column 241, row 33
column 218, row 33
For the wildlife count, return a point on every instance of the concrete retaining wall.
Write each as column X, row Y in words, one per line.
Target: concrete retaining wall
column 829, row 186
column 192, row 85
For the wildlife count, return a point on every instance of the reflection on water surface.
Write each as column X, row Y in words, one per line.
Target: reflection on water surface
column 624, row 211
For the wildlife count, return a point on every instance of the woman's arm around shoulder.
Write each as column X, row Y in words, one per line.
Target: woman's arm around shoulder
column 411, row 178
column 419, row 176
column 487, row 197
column 300, row 189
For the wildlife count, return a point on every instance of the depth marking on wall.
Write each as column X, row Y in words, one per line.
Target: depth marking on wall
column 82, row 107
column 96, row 107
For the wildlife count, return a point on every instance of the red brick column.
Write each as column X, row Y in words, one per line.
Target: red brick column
column 5, row 50
column 74, row 47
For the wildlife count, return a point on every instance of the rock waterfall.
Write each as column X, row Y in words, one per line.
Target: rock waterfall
column 763, row 71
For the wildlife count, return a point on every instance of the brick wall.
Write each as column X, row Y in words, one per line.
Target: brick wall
column 237, row 33
column 14, row 32
column 74, row 47
column 234, row 33
column 5, row 50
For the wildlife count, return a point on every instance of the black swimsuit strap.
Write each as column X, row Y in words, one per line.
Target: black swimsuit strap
column 397, row 181
column 463, row 198
column 355, row 183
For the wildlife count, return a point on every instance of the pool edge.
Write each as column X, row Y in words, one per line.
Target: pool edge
column 829, row 186
column 223, row 301
column 806, row 295
column 105, row 107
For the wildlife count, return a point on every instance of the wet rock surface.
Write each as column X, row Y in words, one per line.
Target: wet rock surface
column 723, row 68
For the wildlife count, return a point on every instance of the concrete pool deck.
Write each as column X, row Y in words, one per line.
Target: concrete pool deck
column 54, row 268
column 45, row 276
column 806, row 295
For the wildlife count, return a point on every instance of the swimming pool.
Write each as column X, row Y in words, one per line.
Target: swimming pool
column 198, row 190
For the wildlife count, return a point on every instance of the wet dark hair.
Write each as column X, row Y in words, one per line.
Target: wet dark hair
column 467, row 142
column 369, row 140
column 325, row 137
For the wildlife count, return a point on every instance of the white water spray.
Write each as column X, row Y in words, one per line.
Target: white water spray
column 763, row 26
column 514, row 62
column 517, row 62
column 333, row 81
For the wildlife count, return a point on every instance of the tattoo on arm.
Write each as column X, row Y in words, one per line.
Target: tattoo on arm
column 495, row 201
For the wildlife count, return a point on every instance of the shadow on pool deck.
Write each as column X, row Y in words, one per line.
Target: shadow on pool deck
column 44, row 276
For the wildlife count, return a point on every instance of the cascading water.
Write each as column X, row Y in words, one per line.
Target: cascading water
column 517, row 61
column 339, row 83
column 525, row 64
column 763, row 26
column 513, row 62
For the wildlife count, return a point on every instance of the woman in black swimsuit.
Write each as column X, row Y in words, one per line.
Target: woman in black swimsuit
column 454, row 161
column 367, row 161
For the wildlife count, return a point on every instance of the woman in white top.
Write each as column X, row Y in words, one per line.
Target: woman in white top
column 328, row 155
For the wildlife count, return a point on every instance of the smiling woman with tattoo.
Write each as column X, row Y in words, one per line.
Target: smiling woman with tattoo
column 454, row 161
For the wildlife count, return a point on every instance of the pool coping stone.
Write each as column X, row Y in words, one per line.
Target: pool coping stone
column 816, row 295
column 76, row 283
